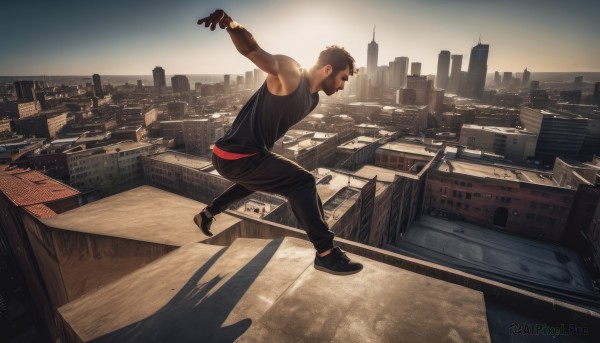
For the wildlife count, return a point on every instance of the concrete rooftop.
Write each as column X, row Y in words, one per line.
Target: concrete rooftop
column 268, row 291
column 144, row 214
column 175, row 285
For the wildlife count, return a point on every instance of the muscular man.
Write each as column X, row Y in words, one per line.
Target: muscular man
column 244, row 155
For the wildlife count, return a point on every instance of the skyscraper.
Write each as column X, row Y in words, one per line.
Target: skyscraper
column 507, row 79
column 455, row 74
column 372, row 53
column 400, row 72
column 597, row 93
column 497, row 79
column 421, row 86
column 477, row 70
column 160, row 83
column 259, row 78
column 25, row 90
column 180, row 84
column 526, row 77
column 443, row 68
column 97, row 86
column 415, row 69
column 249, row 80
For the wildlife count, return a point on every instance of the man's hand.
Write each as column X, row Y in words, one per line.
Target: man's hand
column 217, row 17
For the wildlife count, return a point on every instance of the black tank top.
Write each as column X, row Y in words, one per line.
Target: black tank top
column 265, row 118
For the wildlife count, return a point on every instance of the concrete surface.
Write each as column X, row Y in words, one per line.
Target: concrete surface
column 498, row 252
column 267, row 290
column 160, row 217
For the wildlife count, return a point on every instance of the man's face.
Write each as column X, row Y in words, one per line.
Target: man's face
column 335, row 81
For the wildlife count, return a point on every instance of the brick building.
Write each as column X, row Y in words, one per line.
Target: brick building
column 404, row 156
column 525, row 202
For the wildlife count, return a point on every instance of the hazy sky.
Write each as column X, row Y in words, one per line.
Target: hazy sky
column 131, row 37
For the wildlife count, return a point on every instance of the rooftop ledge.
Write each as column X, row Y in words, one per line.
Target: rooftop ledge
column 157, row 278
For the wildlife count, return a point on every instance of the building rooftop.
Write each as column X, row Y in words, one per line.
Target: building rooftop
column 414, row 149
column 32, row 190
column 330, row 182
column 251, row 286
column 160, row 217
column 499, row 129
column 495, row 172
column 190, row 161
column 113, row 148
column 357, row 143
column 523, row 259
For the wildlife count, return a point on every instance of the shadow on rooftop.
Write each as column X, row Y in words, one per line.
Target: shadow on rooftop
column 195, row 315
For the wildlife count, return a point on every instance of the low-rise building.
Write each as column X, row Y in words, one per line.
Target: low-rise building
column 200, row 134
column 514, row 144
column 107, row 168
column 307, row 148
column 517, row 200
column 47, row 124
column 357, row 152
column 404, row 156
column 131, row 133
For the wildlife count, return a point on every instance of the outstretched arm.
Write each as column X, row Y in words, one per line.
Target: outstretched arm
column 283, row 71
column 243, row 40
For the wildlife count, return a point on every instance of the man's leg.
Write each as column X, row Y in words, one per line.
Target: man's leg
column 231, row 195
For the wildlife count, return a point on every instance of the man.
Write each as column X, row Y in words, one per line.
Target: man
column 243, row 155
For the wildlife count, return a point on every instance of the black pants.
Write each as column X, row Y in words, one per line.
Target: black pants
column 271, row 173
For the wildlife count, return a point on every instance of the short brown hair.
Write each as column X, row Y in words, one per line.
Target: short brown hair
column 338, row 58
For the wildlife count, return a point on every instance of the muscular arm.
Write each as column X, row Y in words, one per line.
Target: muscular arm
column 283, row 71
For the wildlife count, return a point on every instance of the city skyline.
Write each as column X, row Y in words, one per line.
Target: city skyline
column 132, row 38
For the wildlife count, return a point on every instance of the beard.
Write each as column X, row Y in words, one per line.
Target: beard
column 328, row 85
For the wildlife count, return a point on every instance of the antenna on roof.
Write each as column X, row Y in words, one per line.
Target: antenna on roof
column 480, row 38
column 374, row 26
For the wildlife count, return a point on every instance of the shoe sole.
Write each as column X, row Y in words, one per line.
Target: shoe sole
column 209, row 234
column 323, row 269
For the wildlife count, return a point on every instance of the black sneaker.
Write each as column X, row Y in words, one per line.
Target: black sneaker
column 336, row 262
column 204, row 223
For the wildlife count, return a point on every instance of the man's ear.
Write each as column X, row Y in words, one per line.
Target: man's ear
column 328, row 69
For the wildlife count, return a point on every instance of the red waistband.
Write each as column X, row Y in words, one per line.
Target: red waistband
column 229, row 155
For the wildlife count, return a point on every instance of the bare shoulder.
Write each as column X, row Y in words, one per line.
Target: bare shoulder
column 288, row 77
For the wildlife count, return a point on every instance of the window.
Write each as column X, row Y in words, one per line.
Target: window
column 544, row 206
column 533, row 205
column 468, row 195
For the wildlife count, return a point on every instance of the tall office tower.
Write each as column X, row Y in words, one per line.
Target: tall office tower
column 477, row 70
column 497, row 79
column 578, row 81
column 597, row 94
column 249, row 80
column 538, row 99
column 372, row 53
column 443, row 68
column 25, row 90
column 421, row 86
column 97, row 86
column 160, row 83
column 363, row 84
column 415, row 69
column 259, row 78
column 139, row 84
column 180, row 84
column 534, row 85
column 455, row 74
column 526, row 77
column 226, row 80
column 400, row 72
column 239, row 81
column 506, row 79
column 558, row 134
